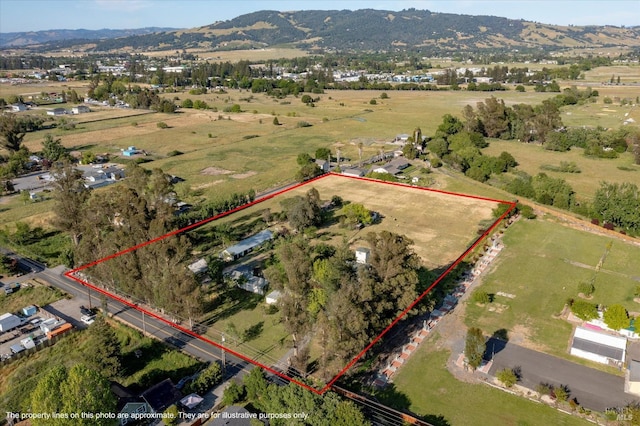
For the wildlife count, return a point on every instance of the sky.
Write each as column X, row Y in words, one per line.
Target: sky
column 36, row 15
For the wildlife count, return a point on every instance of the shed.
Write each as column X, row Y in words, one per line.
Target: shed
column 599, row 347
column 273, row 297
column 198, row 267
column 28, row 343
column 362, row 255
column 29, row 310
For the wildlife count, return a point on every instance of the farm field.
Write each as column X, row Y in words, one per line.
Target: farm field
column 425, row 387
column 531, row 157
column 541, row 266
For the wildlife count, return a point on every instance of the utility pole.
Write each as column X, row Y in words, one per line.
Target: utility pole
column 224, row 364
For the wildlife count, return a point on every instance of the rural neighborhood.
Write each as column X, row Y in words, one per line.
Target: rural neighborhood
column 357, row 217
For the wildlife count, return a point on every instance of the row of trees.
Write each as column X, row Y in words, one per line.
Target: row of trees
column 123, row 217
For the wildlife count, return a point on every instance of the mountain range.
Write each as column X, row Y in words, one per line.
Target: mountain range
column 366, row 29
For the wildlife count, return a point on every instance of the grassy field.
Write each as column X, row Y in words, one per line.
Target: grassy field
column 542, row 265
column 531, row 157
column 441, row 226
column 33, row 293
column 425, row 386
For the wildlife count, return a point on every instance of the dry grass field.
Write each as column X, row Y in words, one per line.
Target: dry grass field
column 441, row 225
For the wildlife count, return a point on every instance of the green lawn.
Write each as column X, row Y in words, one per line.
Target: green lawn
column 425, row 387
column 542, row 264
column 33, row 294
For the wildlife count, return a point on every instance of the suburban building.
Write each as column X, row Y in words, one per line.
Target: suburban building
column 354, row 172
column 80, row 109
column 162, row 395
column 17, row 107
column 394, row 166
column 56, row 111
column 597, row 346
column 246, row 280
column 324, row 165
column 246, row 246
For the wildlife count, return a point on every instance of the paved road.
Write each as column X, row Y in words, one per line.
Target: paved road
column 153, row 326
column 593, row 389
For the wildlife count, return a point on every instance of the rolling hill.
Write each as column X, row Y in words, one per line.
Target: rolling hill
column 368, row 30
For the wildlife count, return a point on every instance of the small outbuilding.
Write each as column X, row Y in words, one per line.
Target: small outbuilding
column 599, row 347
column 362, row 255
column 273, row 297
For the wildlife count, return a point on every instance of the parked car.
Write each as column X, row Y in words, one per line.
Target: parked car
column 86, row 311
column 88, row 319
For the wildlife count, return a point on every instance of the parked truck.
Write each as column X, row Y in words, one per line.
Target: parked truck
column 9, row 322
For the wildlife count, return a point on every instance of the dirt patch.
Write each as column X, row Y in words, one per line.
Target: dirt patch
column 206, row 185
column 498, row 308
column 215, row 171
column 244, row 175
column 521, row 335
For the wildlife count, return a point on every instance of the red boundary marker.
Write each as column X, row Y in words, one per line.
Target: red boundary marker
column 70, row 274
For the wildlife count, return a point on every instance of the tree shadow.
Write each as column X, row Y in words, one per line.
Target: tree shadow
column 253, row 332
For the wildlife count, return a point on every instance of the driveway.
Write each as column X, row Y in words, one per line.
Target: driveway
column 593, row 389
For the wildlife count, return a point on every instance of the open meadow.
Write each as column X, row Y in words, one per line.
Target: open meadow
column 532, row 157
column 541, row 267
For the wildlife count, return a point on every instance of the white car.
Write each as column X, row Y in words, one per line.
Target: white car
column 88, row 319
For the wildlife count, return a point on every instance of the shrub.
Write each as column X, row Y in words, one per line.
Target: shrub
column 507, row 376
column 608, row 226
column 586, row 288
column 481, row 297
column 607, row 100
column 436, row 162
column 373, row 102
column 174, row 153
column 207, row 379
column 519, row 88
column 162, row 125
column 561, row 393
column 384, row 95
column 233, row 108
column 595, row 221
column 584, row 310
column 303, row 124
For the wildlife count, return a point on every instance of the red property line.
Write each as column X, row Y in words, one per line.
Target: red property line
column 70, row 274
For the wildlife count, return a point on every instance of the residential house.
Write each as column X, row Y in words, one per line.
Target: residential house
column 128, row 404
column 246, row 280
column 80, row 109
column 324, row 165
column 394, row 166
column 354, row 172
column 246, row 246
column 56, row 111
column 161, row 396
column 17, row 107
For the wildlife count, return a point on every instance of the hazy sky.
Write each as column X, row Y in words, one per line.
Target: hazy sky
column 34, row 15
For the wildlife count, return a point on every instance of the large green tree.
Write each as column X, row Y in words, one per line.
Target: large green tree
column 103, row 351
column 77, row 390
column 12, row 131
column 71, row 198
column 616, row 317
column 52, row 148
column 474, row 347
